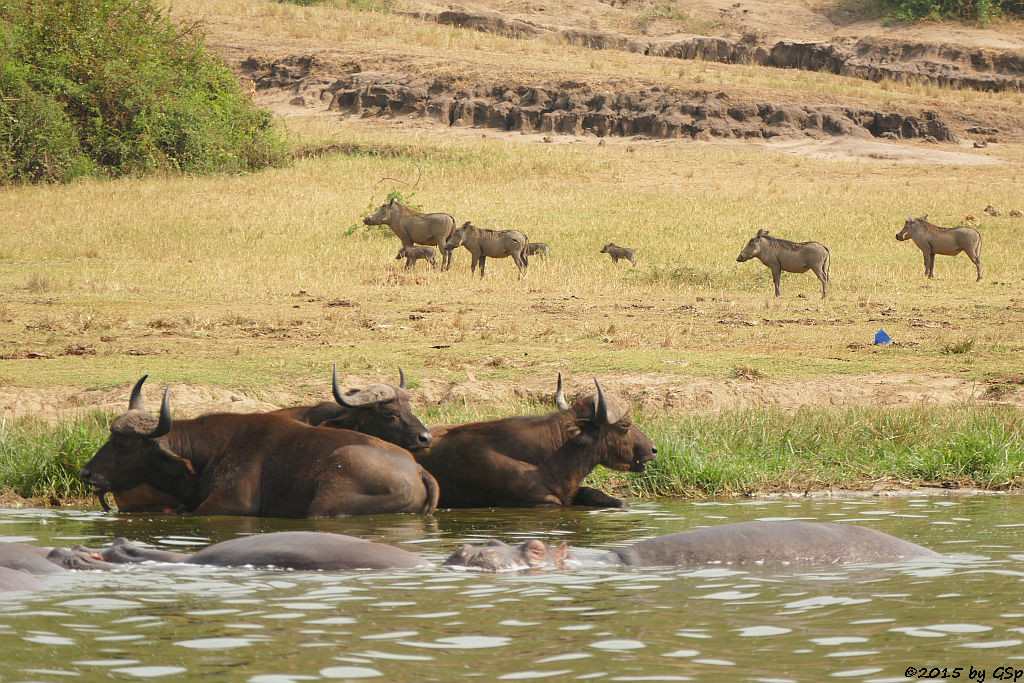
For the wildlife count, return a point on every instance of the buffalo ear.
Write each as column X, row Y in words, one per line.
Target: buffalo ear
column 535, row 551
column 174, row 465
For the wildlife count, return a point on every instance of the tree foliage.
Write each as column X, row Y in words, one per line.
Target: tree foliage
column 114, row 87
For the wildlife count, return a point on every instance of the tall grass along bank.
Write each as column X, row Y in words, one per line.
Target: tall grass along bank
column 742, row 452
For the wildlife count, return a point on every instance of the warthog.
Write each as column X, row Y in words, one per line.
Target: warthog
column 537, row 249
column 484, row 242
column 617, row 252
column 792, row 257
column 932, row 240
column 416, row 227
column 414, row 254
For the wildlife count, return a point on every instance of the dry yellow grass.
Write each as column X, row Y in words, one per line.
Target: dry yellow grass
column 246, row 281
column 250, row 281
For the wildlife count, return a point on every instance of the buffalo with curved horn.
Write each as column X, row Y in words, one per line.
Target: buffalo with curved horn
column 257, row 465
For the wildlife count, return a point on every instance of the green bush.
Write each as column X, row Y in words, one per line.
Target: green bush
column 113, row 87
column 975, row 10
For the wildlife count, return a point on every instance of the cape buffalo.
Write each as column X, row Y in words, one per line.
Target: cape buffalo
column 257, row 465
column 415, row 227
column 484, row 242
column 380, row 410
column 283, row 549
column 537, row 461
column 932, row 240
column 792, row 257
column 776, row 543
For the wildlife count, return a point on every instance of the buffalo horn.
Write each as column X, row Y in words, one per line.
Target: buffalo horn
column 335, row 389
column 135, row 402
column 375, row 393
column 164, row 425
column 401, row 379
column 601, row 409
column 559, row 396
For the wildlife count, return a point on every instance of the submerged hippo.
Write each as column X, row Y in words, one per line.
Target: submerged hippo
column 20, row 563
column 932, row 240
column 769, row 543
column 792, row 257
column 284, row 549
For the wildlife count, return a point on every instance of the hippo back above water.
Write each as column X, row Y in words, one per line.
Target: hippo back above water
column 778, row 543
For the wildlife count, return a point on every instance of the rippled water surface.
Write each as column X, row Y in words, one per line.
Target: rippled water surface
column 857, row 622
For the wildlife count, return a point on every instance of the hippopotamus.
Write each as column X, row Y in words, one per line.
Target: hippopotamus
column 20, row 563
column 283, row 549
column 777, row 543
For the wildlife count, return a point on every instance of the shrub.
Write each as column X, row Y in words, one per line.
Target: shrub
column 113, row 87
column 975, row 10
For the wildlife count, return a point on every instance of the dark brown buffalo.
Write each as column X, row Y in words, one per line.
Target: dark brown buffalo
column 283, row 549
column 380, row 410
column 257, row 465
column 537, row 461
column 774, row 543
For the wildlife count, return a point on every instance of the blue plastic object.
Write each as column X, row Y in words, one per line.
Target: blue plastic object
column 882, row 338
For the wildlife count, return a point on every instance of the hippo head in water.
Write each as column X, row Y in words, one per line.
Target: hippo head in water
column 501, row 557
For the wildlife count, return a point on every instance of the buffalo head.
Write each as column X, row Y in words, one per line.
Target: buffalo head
column 606, row 429
column 380, row 410
column 134, row 453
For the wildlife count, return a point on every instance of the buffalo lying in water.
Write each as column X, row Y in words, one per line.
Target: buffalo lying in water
column 538, row 461
column 777, row 543
column 309, row 550
column 257, row 465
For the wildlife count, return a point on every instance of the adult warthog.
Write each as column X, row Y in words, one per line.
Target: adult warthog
column 932, row 240
column 484, row 242
column 415, row 227
column 792, row 257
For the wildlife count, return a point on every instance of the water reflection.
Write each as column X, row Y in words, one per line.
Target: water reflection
column 856, row 622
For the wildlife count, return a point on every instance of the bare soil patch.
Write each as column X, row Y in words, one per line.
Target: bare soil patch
column 649, row 392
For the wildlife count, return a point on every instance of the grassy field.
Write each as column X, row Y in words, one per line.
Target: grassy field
column 251, row 280
column 256, row 282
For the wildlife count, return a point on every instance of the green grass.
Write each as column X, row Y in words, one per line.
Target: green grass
column 39, row 460
column 739, row 452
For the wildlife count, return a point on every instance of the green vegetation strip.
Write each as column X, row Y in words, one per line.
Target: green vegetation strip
column 732, row 453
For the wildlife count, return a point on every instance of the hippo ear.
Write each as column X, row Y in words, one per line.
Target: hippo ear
column 535, row 552
column 561, row 554
column 173, row 464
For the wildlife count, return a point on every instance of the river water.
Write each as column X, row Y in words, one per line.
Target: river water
column 855, row 622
